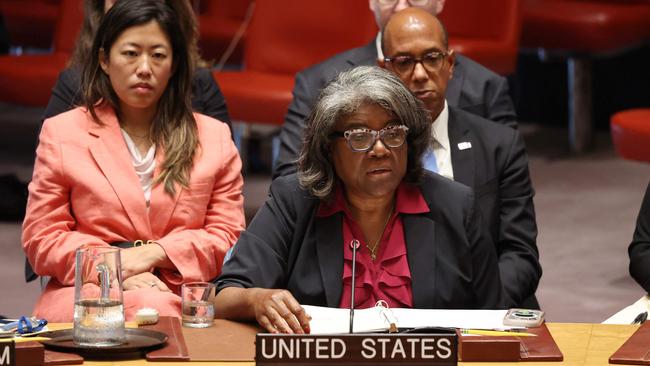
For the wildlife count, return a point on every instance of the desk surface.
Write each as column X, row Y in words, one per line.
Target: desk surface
column 581, row 344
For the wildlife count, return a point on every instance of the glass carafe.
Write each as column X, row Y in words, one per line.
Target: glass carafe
column 98, row 306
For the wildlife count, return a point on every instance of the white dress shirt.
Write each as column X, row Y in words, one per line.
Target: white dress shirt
column 441, row 144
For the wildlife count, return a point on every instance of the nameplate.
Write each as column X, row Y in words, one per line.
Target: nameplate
column 7, row 353
column 356, row 349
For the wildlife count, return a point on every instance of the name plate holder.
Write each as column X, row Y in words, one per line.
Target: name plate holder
column 356, row 349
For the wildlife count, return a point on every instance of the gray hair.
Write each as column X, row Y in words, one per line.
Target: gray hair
column 342, row 97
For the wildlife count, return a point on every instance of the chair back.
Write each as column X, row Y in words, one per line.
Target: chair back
column 497, row 20
column 225, row 9
column 286, row 36
column 68, row 24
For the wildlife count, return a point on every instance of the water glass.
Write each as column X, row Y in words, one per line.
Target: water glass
column 98, row 306
column 198, row 308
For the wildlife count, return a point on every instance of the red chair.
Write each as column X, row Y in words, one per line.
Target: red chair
column 631, row 134
column 487, row 31
column 28, row 79
column 219, row 21
column 284, row 37
column 579, row 30
column 30, row 23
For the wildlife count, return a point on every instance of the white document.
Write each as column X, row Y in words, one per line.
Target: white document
column 336, row 320
column 628, row 314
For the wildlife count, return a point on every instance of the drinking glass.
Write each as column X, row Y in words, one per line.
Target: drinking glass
column 198, row 308
column 98, row 306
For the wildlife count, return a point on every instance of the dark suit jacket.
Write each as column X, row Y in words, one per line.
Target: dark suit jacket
column 452, row 260
column 496, row 167
column 206, row 96
column 639, row 249
column 473, row 88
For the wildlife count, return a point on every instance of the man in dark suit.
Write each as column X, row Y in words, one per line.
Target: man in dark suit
column 473, row 88
column 486, row 156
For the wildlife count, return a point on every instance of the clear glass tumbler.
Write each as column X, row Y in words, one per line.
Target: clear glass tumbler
column 198, row 308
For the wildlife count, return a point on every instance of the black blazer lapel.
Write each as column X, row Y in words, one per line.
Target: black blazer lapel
column 419, row 232
column 462, row 161
column 329, row 231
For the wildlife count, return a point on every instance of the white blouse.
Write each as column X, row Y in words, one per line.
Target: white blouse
column 144, row 165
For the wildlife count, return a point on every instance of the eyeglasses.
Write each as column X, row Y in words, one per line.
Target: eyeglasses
column 363, row 139
column 405, row 64
column 411, row 2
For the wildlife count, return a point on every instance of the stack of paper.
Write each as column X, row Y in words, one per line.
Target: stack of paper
column 335, row 320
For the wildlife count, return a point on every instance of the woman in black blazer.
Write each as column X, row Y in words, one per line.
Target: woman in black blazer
column 361, row 183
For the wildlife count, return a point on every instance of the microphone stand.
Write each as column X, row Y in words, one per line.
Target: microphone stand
column 354, row 244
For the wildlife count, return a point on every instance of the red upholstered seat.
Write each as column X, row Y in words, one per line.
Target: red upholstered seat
column 30, row 23
column 487, row 31
column 596, row 26
column 219, row 20
column 631, row 134
column 579, row 29
column 284, row 37
column 28, row 79
column 25, row 80
column 256, row 96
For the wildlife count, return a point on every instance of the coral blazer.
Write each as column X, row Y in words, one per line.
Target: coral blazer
column 85, row 191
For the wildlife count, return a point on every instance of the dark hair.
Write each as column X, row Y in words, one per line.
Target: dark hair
column 94, row 12
column 342, row 97
column 173, row 127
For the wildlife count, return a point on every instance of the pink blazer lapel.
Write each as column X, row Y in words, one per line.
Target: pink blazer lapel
column 112, row 157
column 161, row 205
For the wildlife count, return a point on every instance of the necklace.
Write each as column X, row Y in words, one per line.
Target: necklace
column 374, row 248
column 132, row 135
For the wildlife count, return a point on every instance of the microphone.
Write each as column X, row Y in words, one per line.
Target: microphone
column 354, row 244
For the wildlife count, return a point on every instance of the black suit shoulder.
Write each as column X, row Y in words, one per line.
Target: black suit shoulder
column 639, row 249
column 481, row 91
column 207, row 97
column 65, row 94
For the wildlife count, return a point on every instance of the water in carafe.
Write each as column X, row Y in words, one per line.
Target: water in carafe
column 98, row 308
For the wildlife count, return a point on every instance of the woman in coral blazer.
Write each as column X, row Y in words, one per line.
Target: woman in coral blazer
column 134, row 163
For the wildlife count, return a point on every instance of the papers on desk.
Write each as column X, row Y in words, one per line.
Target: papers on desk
column 628, row 314
column 335, row 320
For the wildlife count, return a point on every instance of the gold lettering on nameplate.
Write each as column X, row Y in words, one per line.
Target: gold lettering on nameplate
column 357, row 349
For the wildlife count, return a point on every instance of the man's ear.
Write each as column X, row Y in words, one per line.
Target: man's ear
column 372, row 5
column 451, row 59
column 103, row 61
column 439, row 6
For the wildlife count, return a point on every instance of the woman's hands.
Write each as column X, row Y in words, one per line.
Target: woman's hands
column 279, row 312
column 144, row 280
column 142, row 259
column 275, row 310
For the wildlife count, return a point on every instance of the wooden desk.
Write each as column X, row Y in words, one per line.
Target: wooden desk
column 581, row 344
